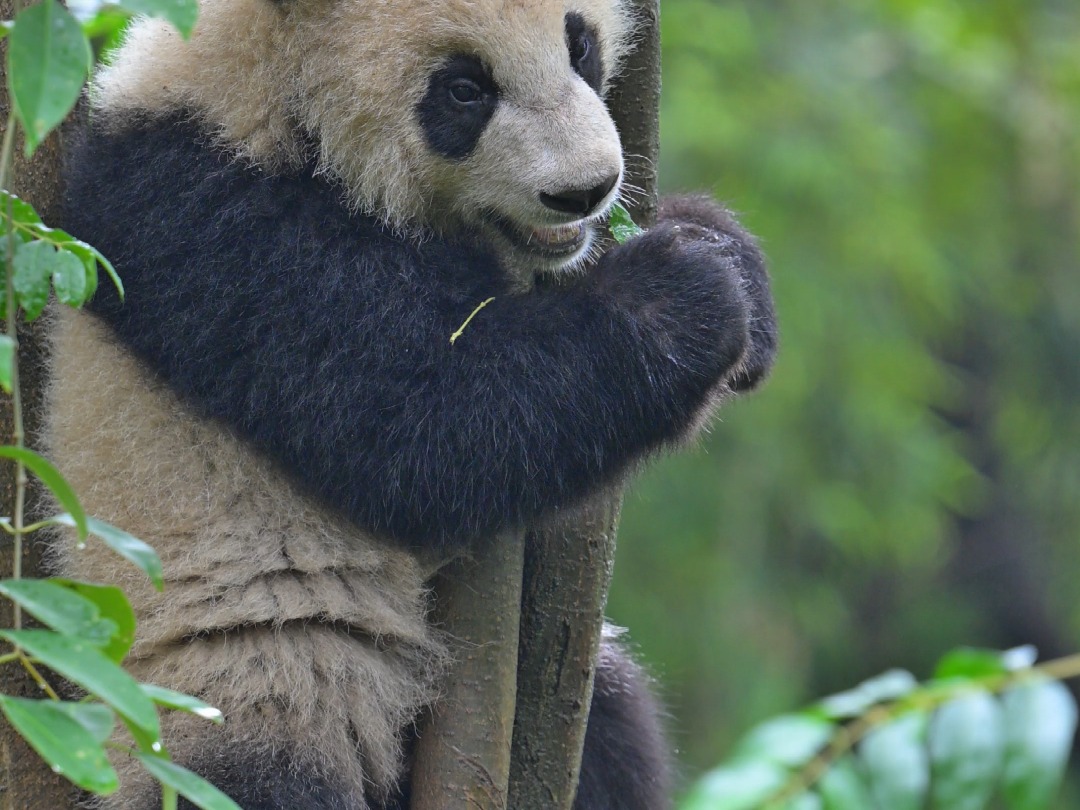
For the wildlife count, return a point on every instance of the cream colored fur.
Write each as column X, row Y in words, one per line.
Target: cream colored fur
column 299, row 627
column 350, row 72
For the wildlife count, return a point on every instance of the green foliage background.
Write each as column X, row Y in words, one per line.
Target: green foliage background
column 909, row 479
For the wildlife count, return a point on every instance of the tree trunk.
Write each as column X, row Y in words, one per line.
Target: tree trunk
column 25, row 781
column 463, row 756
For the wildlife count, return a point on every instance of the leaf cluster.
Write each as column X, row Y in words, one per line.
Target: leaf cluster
column 987, row 724
column 87, row 631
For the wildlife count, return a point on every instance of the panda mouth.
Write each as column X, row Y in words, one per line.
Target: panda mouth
column 551, row 242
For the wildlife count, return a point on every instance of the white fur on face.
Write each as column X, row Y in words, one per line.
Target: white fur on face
column 351, row 73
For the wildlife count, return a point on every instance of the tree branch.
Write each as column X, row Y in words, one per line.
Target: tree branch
column 568, row 566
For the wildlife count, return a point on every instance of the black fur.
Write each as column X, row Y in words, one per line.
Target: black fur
column 461, row 97
column 761, row 348
column 625, row 764
column 323, row 338
column 585, row 54
column 259, row 783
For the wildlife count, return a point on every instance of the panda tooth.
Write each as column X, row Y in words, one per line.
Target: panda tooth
column 556, row 235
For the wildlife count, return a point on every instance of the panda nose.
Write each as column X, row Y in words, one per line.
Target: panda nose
column 580, row 201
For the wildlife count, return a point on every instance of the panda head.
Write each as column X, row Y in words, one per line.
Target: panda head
column 438, row 115
column 486, row 114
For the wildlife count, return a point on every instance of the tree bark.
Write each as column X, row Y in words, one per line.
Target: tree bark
column 463, row 755
column 25, row 780
column 568, row 566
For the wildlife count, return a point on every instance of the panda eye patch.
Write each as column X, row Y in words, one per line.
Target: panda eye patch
column 460, row 100
column 584, row 48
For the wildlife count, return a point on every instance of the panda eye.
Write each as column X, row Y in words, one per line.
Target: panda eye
column 466, row 91
column 580, row 48
column 585, row 51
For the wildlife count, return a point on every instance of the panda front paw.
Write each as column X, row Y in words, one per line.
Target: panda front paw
column 703, row 215
column 680, row 288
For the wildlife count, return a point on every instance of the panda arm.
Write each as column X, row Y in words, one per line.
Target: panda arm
column 324, row 340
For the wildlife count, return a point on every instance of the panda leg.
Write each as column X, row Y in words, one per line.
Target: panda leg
column 626, row 764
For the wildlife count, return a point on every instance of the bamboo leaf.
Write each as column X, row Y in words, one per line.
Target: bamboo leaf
column 620, row 224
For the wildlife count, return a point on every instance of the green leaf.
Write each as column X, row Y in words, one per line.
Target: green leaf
column 189, row 785
column 181, row 13
column 89, row 255
column 34, row 265
column 98, row 719
column 7, row 361
column 738, row 786
column 970, row 663
column 20, row 211
column 127, row 546
column 181, row 702
column 807, row 801
column 65, row 744
column 51, row 477
column 620, row 224
column 966, row 745
column 1040, row 721
column 84, row 664
column 70, row 279
column 895, row 763
column 60, row 608
column 791, row 740
column 48, row 60
column 85, row 255
column 888, row 686
column 114, row 606
column 842, row 788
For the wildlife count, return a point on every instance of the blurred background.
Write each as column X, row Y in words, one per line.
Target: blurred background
column 909, row 479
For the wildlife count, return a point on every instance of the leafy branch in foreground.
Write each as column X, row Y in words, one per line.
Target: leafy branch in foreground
column 88, row 629
column 987, row 724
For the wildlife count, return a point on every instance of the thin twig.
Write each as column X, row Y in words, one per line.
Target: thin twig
column 39, row 679
column 18, row 435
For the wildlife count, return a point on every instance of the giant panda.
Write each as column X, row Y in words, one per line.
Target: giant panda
column 305, row 201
